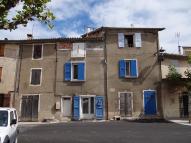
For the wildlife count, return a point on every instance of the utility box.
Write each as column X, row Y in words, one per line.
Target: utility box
column 57, row 105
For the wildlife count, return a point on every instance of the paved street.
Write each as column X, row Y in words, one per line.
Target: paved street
column 105, row 132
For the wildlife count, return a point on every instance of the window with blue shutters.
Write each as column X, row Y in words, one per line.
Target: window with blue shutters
column 74, row 71
column 128, row 68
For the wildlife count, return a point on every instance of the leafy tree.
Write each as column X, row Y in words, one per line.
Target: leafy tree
column 31, row 10
column 173, row 75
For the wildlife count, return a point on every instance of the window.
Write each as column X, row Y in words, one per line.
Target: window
column 129, row 40
column 1, row 69
column 1, row 50
column 78, row 50
column 128, row 68
column 74, row 71
column 3, row 118
column 37, row 51
column 11, row 116
column 36, row 76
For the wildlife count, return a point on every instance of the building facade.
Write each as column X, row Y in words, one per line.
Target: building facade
column 109, row 72
column 133, row 71
column 175, row 97
column 8, row 64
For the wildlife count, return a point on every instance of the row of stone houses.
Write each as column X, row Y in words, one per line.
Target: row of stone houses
column 108, row 72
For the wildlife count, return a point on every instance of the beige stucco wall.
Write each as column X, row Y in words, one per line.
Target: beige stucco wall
column 8, row 63
column 171, row 91
column 94, row 73
column 180, row 65
column 47, row 87
column 148, row 70
column 170, row 100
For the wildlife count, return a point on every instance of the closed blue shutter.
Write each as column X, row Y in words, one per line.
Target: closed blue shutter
column 122, row 68
column 67, row 71
column 99, row 107
column 76, row 107
column 81, row 71
column 138, row 42
column 133, row 68
column 121, row 40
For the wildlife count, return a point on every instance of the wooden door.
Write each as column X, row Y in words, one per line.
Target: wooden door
column 29, row 108
column 125, row 104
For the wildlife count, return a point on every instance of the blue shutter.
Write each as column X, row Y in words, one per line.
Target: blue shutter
column 67, row 71
column 76, row 107
column 121, row 40
column 122, row 68
column 138, row 42
column 81, row 71
column 99, row 107
column 133, row 68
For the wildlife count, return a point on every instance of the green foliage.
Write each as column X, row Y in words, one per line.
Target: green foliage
column 188, row 80
column 31, row 10
column 173, row 75
column 189, row 59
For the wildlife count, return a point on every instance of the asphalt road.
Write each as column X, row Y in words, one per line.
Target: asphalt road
column 105, row 132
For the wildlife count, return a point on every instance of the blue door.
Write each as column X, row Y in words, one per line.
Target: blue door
column 150, row 102
column 76, row 107
column 99, row 107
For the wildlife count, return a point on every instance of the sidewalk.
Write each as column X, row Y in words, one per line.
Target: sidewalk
column 181, row 122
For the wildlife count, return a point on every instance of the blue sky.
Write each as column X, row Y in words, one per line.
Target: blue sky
column 74, row 15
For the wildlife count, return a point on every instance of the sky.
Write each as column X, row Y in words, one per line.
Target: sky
column 72, row 16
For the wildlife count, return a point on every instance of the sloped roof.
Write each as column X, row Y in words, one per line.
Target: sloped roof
column 52, row 40
column 122, row 28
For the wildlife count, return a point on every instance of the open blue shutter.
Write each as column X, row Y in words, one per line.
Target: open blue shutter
column 99, row 107
column 138, row 42
column 67, row 71
column 122, row 68
column 76, row 107
column 133, row 68
column 121, row 40
column 81, row 71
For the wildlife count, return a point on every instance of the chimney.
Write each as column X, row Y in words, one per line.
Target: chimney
column 29, row 37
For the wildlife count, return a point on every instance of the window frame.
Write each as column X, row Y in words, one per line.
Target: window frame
column 41, row 52
column 2, row 46
column 125, row 39
column 31, row 77
column 1, row 75
column 129, row 76
column 76, row 62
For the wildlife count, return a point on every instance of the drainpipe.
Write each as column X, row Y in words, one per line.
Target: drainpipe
column 17, row 73
column 55, row 72
column 160, row 70
column 105, row 75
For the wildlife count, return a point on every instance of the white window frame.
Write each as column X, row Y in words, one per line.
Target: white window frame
column 31, row 77
column 41, row 53
column 126, row 76
column 80, row 104
column 76, row 62
column 61, row 101
column 155, row 100
column 131, row 100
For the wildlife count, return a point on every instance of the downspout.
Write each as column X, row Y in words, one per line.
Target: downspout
column 105, row 75
column 56, row 60
column 17, row 73
column 160, row 71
